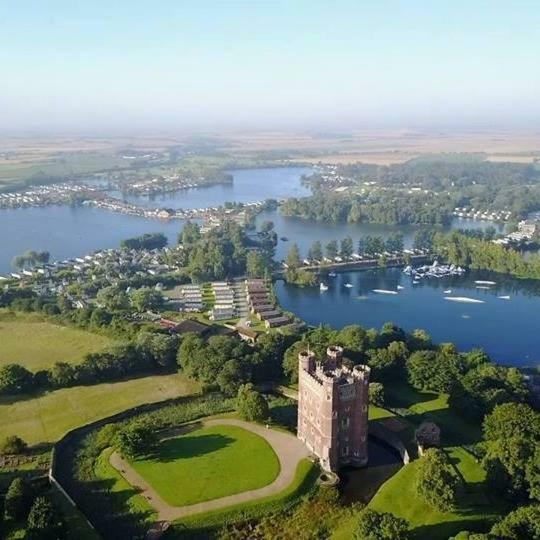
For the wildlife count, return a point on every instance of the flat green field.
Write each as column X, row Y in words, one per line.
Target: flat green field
column 209, row 463
column 48, row 417
column 36, row 343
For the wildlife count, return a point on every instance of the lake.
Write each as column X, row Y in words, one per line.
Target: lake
column 506, row 328
column 72, row 231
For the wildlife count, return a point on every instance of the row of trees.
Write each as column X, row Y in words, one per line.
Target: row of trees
column 389, row 206
column 367, row 245
column 480, row 254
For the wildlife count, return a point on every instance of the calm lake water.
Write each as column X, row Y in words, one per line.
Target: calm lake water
column 250, row 185
column 72, row 231
column 506, row 329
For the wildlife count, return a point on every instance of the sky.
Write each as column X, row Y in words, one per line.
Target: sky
column 190, row 64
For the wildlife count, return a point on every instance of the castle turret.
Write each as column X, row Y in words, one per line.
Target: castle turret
column 307, row 361
column 334, row 356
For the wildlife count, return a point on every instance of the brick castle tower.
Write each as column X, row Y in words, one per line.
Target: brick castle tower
column 333, row 409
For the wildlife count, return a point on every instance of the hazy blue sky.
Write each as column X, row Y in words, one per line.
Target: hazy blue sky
column 197, row 63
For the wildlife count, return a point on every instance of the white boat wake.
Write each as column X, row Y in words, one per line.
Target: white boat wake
column 384, row 291
column 464, row 299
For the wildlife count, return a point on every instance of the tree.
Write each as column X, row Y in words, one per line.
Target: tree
column 15, row 379
column 13, row 445
column 18, row 500
column 62, row 375
column 146, row 241
column 394, row 243
column 293, row 258
column 158, row 349
column 191, row 234
column 137, row 438
column 346, row 248
column 267, row 226
column 512, row 420
column 250, row 404
column 44, row 521
column 428, row 370
column 113, row 298
column 436, row 482
column 290, row 360
column 524, row 522
column 315, row 252
column 353, row 338
column 373, row 525
column 512, row 459
column 332, row 249
column 376, row 394
column 146, row 299
column 256, row 264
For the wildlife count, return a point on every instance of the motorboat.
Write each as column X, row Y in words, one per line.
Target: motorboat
column 323, row 287
column 464, row 299
column 348, row 285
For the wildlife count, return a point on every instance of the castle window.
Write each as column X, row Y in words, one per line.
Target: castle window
column 364, row 408
column 345, row 451
column 363, row 438
column 345, row 422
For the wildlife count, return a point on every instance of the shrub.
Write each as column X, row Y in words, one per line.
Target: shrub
column 18, row 500
column 13, row 445
column 44, row 521
column 250, row 404
column 376, row 394
column 436, row 482
column 380, row 526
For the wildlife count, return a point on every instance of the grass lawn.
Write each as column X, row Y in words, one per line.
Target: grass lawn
column 46, row 418
column 209, row 463
column 202, row 525
column 36, row 343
